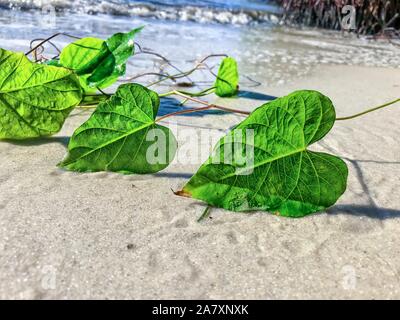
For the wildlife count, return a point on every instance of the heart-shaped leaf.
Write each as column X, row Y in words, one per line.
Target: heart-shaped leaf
column 35, row 99
column 99, row 63
column 122, row 136
column 227, row 82
column 278, row 174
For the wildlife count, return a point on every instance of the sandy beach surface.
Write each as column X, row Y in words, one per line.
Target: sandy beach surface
column 103, row 235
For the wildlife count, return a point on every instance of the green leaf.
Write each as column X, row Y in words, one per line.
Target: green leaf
column 120, row 136
column 227, row 82
column 53, row 62
column 35, row 99
column 84, row 55
column 121, row 47
column 284, row 177
column 99, row 63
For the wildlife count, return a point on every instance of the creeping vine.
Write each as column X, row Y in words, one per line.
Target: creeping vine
column 281, row 176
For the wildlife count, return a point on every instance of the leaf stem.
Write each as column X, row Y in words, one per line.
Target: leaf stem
column 184, row 112
column 93, row 99
column 88, row 106
column 173, row 77
column 187, row 73
column 147, row 74
column 368, row 111
column 167, row 61
column 199, row 94
column 205, row 214
column 189, row 94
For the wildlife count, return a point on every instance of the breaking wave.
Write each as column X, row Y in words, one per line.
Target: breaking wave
column 179, row 11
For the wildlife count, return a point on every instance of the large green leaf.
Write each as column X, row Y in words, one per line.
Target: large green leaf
column 99, row 63
column 120, row 136
column 35, row 99
column 227, row 82
column 284, row 177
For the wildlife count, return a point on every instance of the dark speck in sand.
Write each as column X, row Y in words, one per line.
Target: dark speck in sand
column 130, row 246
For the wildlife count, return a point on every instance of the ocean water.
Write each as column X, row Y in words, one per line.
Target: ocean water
column 217, row 11
column 184, row 31
column 263, row 5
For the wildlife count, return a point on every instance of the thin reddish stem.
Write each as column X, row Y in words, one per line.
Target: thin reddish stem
column 208, row 104
column 183, row 112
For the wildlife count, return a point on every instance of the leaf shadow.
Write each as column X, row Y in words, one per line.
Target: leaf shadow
column 176, row 175
column 169, row 105
column 255, row 95
column 365, row 210
column 39, row 141
column 372, row 210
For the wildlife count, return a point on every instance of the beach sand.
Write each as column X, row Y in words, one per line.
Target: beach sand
column 104, row 235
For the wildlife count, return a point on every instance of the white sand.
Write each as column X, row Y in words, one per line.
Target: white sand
column 103, row 235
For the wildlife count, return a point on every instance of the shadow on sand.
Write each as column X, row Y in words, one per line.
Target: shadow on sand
column 174, row 175
column 39, row 141
column 372, row 210
column 255, row 95
column 170, row 104
column 365, row 211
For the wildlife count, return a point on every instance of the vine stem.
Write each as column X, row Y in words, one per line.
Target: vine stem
column 207, row 106
column 187, row 73
column 93, row 99
column 89, row 106
column 48, row 39
column 191, row 94
column 173, row 77
column 368, row 111
column 205, row 214
column 167, row 61
column 214, row 106
column 183, row 112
